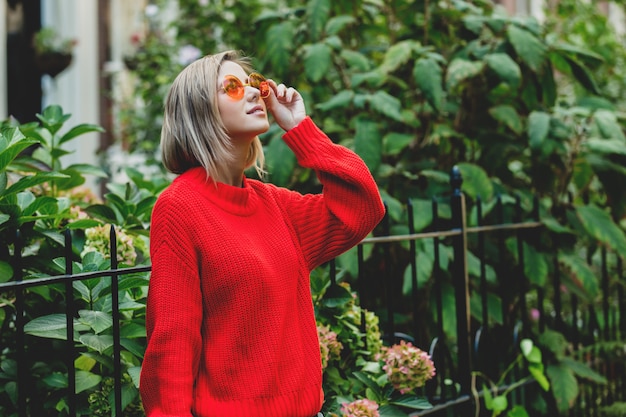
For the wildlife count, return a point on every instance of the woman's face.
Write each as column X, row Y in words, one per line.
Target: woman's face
column 246, row 118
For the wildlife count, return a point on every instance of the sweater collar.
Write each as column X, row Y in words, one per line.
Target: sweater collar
column 241, row 201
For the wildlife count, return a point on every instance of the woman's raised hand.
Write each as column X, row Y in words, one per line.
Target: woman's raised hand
column 286, row 105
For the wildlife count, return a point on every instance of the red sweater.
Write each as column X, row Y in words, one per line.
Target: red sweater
column 230, row 321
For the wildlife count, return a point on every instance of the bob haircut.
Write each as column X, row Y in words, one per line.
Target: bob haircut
column 193, row 133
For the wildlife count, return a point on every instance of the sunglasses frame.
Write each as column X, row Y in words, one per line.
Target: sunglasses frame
column 233, row 86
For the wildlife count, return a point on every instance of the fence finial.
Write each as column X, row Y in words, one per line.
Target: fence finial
column 456, row 179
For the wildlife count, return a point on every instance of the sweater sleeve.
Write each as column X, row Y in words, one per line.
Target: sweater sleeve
column 173, row 318
column 349, row 206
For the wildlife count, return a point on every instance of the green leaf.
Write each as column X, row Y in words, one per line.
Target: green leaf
column 460, row 70
column 564, row 386
column 538, row 128
column 56, row 380
column 413, row 402
column 536, row 267
column 279, row 41
column 555, row 342
column 355, row 60
column 600, row 226
column 527, row 46
column 428, row 76
column 86, row 380
column 389, row 410
column 6, row 271
column 102, row 212
column 395, row 142
column 336, row 295
column 98, row 321
column 505, row 67
column 99, row 343
column 339, row 100
column 605, row 146
column 517, row 411
column 609, row 125
column 337, row 23
column 52, row 326
column 317, row 60
column 385, row 103
column 11, row 152
column 368, row 143
column 80, row 130
column 581, row 275
column 476, row 182
column 507, row 115
column 31, row 181
column 280, row 161
column 135, row 373
column 584, row 371
column 397, row 55
column 583, row 75
column 317, row 13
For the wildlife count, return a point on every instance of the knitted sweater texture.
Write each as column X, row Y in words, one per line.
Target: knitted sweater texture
column 230, row 321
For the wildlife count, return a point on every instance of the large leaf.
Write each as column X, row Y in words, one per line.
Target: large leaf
column 79, row 130
column 536, row 267
column 337, row 23
column 583, row 75
column 8, row 154
column 428, row 76
column 52, row 326
column 86, row 380
column 99, row 321
column 317, row 60
column 279, row 41
column 413, row 402
column 99, row 343
column 581, row 276
column 476, row 182
column 583, row 371
column 280, row 161
column 368, row 143
column 395, row 142
column 397, row 55
column 605, row 146
column 340, row 100
column 32, row 180
column 564, row 385
column 317, row 14
column 598, row 224
column 507, row 115
column 384, row 103
column 507, row 69
column 528, row 47
column 538, row 128
column 609, row 125
column 460, row 70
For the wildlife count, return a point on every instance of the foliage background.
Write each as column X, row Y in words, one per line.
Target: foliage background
column 525, row 109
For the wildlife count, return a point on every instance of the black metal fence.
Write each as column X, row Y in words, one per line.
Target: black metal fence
column 478, row 341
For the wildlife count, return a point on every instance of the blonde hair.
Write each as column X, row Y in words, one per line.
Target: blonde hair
column 193, row 133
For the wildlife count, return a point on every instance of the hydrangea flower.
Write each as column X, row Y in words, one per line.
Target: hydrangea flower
column 407, row 367
column 330, row 347
column 360, row 408
column 97, row 239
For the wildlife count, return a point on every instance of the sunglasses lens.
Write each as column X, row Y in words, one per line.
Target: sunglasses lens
column 233, row 87
column 256, row 80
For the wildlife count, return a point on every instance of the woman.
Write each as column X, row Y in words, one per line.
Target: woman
column 230, row 321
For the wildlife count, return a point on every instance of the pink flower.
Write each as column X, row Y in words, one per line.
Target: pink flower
column 407, row 367
column 360, row 408
column 330, row 347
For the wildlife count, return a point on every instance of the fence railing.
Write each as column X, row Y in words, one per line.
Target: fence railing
column 477, row 342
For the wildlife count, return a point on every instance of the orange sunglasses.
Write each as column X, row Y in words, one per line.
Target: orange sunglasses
column 235, row 88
